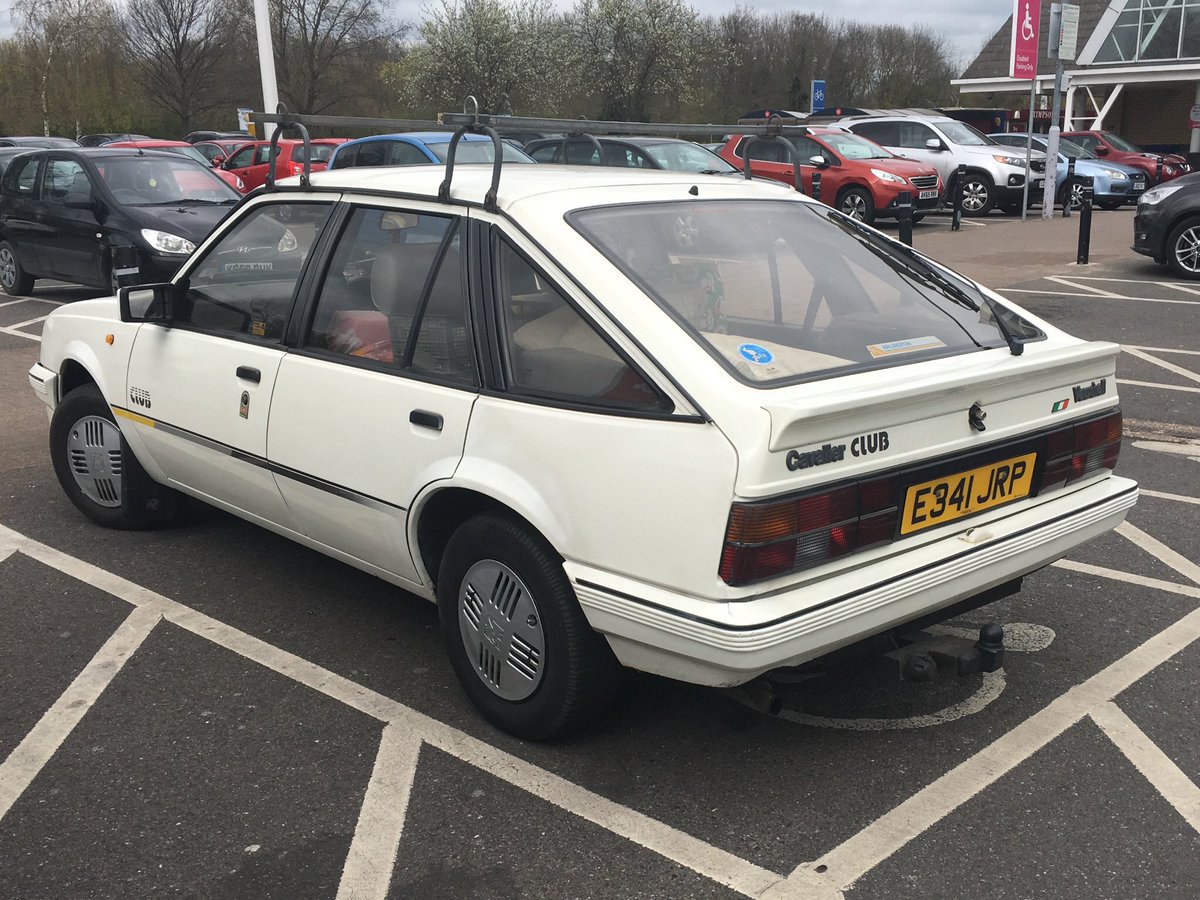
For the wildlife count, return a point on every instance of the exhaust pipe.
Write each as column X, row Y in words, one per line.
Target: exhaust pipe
column 759, row 695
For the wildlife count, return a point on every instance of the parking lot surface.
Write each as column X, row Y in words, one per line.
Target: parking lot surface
column 212, row 711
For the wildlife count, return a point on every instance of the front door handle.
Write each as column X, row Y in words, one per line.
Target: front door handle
column 426, row 419
column 247, row 373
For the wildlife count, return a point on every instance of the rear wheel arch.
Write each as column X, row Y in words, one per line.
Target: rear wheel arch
column 443, row 513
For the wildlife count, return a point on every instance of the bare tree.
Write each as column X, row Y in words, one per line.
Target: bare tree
column 180, row 48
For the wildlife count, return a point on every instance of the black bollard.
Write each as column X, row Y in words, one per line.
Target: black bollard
column 1085, row 222
column 1158, row 171
column 904, row 216
column 1069, row 190
column 959, row 178
column 816, row 185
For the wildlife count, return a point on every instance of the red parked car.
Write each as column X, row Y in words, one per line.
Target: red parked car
column 1115, row 148
column 249, row 161
column 181, row 148
column 858, row 176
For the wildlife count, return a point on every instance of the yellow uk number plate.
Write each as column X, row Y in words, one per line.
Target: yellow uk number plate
column 966, row 493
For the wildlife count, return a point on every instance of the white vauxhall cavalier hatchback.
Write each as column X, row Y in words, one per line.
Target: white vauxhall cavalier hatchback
column 693, row 426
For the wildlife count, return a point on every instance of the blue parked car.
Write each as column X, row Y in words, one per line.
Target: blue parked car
column 420, row 148
column 1113, row 183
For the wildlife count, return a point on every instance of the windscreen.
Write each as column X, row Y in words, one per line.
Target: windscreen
column 686, row 157
column 1121, row 144
column 162, row 181
column 479, row 152
column 1073, row 151
column 851, row 146
column 784, row 291
column 188, row 152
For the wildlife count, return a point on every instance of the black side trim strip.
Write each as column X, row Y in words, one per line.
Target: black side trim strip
column 836, row 600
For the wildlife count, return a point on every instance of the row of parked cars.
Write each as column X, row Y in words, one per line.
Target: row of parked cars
column 112, row 233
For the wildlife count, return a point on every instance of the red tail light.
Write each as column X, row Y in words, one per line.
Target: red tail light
column 297, row 168
column 1079, row 450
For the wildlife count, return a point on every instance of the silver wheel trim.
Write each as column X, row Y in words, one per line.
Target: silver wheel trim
column 8, row 268
column 94, row 457
column 975, row 194
column 1187, row 250
column 1076, row 195
column 854, row 206
column 501, row 630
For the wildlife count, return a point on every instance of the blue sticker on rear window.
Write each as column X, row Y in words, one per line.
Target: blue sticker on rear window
column 760, row 356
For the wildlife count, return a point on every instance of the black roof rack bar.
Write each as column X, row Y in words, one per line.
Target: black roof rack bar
column 792, row 152
column 580, row 137
column 285, row 123
column 591, row 126
column 473, row 127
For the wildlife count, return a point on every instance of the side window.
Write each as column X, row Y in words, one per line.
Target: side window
column 808, row 148
column 63, row 177
column 242, row 158
column 552, row 351
column 372, row 153
column 581, row 153
column 395, row 293
column 346, row 157
column 1086, row 141
column 545, row 153
column 403, row 153
column 245, row 282
column 914, row 135
column 24, row 176
column 885, row 133
column 767, row 151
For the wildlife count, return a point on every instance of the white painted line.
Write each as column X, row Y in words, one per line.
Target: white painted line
column 1179, row 287
column 1168, row 779
column 30, row 300
column 1188, row 449
column 1128, row 577
column 1095, row 296
column 1073, row 283
column 32, row 754
column 1155, row 384
column 1162, row 350
column 1179, row 498
column 858, row 855
column 1161, row 551
column 32, row 337
column 33, row 321
column 1131, row 280
column 367, row 874
column 712, row 862
column 1170, row 367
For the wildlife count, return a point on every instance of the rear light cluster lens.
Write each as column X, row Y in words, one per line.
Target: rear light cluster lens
column 764, row 540
column 1079, row 450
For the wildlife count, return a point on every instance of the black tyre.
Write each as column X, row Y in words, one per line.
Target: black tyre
column 1072, row 192
column 856, row 202
column 517, row 639
column 1183, row 248
column 14, row 280
column 97, row 470
column 1109, row 204
column 917, row 217
column 979, row 195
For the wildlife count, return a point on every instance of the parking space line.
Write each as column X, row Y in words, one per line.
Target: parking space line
column 32, row 754
column 855, row 857
column 1103, row 296
column 1162, row 363
column 1159, row 769
column 28, row 322
column 1156, row 384
column 30, row 300
column 1179, row 287
column 1162, row 495
column 367, row 874
column 1157, row 584
column 32, row 337
column 1162, row 350
column 705, row 859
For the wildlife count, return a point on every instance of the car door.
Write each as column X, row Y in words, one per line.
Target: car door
column 201, row 386
column 769, row 159
column 914, row 138
column 19, row 210
column 374, row 404
column 69, row 238
column 250, row 165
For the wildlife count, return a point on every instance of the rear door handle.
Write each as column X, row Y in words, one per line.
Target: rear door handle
column 426, row 419
column 247, row 373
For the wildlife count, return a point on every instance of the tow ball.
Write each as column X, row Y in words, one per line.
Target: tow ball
column 921, row 654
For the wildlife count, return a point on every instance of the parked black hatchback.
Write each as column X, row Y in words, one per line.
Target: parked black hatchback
column 104, row 218
column 1167, row 225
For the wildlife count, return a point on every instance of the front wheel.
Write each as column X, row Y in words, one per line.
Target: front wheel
column 856, row 202
column 14, row 280
column 516, row 637
column 1183, row 248
column 97, row 470
column 978, row 195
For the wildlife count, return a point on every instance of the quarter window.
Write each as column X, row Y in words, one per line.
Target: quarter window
column 63, row 177
column 552, row 351
column 24, row 175
column 245, row 282
column 242, row 158
column 886, row 134
column 394, row 293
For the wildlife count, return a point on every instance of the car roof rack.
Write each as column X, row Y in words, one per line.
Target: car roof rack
column 471, row 121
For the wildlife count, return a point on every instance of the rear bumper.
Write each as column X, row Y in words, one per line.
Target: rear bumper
column 722, row 644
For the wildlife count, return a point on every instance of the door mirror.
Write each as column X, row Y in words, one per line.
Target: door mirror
column 819, row 161
column 147, row 302
column 935, row 144
column 1101, row 150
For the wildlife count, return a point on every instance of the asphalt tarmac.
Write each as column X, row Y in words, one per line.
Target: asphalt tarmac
column 212, row 711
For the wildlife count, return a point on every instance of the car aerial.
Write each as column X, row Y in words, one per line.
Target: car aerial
column 99, row 140
column 1112, row 147
column 1167, row 225
column 701, row 430
column 858, row 176
column 184, row 149
column 995, row 174
column 250, row 162
column 1113, row 183
column 36, row 141
column 631, row 153
column 97, row 216
column 419, row 148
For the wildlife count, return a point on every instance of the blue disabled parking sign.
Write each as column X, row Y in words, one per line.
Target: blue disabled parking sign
column 818, row 96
